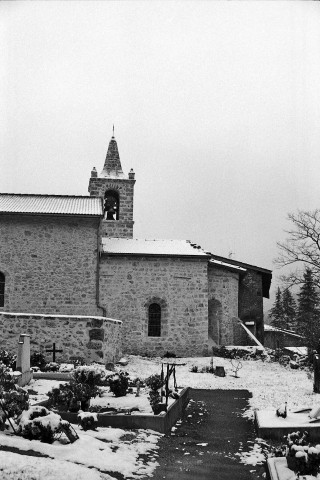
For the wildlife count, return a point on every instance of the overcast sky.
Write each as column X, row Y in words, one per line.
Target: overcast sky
column 216, row 107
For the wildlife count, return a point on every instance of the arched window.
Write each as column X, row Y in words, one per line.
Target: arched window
column 154, row 323
column 111, row 205
column 2, row 283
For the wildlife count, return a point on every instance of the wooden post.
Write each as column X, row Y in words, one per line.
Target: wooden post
column 316, row 371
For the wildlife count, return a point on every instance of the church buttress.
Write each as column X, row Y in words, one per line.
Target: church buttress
column 117, row 192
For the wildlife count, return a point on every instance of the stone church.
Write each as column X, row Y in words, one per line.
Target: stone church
column 64, row 259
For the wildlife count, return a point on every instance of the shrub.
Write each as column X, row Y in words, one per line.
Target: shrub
column 119, row 383
column 169, row 355
column 38, row 423
column 15, row 401
column 8, row 359
column 51, row 367
column 235, row 353
column 154, row 398
column 37, row 359
column 302, row 458
column 88, row 420
column 6, row 378
column 69, row 394
column 60, row 396
column 14, row 398
column 93, row 375
column 154, row 382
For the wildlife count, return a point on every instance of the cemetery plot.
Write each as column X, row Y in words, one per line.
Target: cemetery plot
column 137, row 405
column 272, row 427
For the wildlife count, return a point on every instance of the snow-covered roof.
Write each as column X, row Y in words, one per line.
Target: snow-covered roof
column 169, row 248
column 228, row 265
column 271, row 328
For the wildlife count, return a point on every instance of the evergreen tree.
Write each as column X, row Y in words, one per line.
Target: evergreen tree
column 308, row 320
column 277, row 311
column 289, row 310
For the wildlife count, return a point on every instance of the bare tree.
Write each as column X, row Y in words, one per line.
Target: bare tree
column 302, row 247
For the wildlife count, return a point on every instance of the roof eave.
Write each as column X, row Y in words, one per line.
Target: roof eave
column 55, row 214
column 168, row 255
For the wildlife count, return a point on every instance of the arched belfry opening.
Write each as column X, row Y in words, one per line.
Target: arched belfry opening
column 111, row 205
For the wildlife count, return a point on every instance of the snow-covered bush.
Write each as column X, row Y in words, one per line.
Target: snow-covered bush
column 52, row 367
column 81, row 388
column 93, row 375
column 60, row 397
column 66, row 367
column 88, row 420
column 301, row 456
column 119, row 384
column 15, row 401
column 68, row 396
column 14, row 398
column 38, row 423
column 247, row 353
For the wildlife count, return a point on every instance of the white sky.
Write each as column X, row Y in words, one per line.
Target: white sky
column 216, row 106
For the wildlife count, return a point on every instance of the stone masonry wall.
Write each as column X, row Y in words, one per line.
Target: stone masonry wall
column 50, row 264
column 128, row 285
column 93, row 338
column 251, row 301
column 223, row 303
column 116, row 228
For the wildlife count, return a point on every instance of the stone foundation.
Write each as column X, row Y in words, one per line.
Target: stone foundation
column 92, row 338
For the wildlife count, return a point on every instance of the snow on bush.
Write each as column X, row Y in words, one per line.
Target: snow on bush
column 38, row 423
column 88, row 420
column 15, row 399
column 91, row 374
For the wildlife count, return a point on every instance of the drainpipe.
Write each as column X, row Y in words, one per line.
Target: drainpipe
column 104, row 312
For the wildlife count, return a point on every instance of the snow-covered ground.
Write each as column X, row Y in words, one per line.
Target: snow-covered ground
column 99, row 454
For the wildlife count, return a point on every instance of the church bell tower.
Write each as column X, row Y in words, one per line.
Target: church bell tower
column 117, row 192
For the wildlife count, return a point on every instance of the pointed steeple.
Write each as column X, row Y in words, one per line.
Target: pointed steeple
column 112, row 165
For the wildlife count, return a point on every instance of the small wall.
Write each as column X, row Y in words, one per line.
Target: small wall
column 93, row 338
column 277, row 339
column 160, row 423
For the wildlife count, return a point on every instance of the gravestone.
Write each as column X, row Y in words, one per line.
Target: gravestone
column 220, row 371
column 23, row 360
